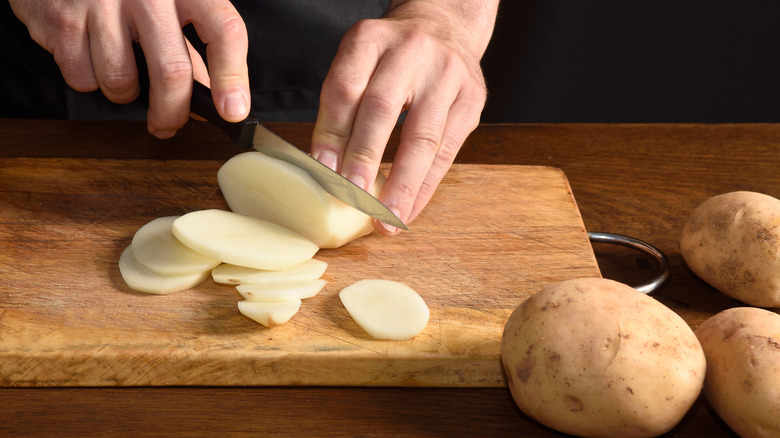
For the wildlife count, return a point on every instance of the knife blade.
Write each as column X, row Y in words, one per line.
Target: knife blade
column 249, row 133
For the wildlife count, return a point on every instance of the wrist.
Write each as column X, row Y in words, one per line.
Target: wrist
column 470, row 22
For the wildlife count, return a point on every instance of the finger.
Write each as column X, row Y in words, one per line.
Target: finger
column 112, row 54
column 71, row 52
column 169, row 66
column 222, row 29
column 388, row 91
column 462, row 118
column 421, row 137
column 420, row 144
column 342, row 90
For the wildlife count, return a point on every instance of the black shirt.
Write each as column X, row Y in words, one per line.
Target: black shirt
column 291, row 46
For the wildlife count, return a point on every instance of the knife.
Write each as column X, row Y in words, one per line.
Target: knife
column 249, row 133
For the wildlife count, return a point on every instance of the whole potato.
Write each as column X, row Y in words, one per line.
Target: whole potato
column 594, row 357
column 732, row 241
column 742, row 346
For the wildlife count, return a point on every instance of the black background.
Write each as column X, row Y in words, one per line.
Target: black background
column 556, row 61
column 634, row 61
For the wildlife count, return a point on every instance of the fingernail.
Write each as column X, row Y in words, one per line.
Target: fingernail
column 329, row 158
column 235, row 105
column 358, row 180
column 391, row 229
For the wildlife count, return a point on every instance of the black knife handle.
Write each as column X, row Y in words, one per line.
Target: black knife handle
column 202, row 104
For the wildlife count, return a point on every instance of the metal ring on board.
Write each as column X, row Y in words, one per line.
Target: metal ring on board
column 618, row 239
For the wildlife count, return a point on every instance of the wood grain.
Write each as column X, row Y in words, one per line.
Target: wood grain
column 640, row 180
column 493, row 235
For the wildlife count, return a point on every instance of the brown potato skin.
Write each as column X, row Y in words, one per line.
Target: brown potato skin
column 742, row 346
column 593, row 357
column 732, row 241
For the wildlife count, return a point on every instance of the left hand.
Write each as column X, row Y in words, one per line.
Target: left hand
column 423, row 57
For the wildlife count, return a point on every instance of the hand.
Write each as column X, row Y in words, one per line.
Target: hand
column 423, row 57
column 91, row 41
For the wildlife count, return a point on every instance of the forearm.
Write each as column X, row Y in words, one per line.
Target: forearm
column 470, row 22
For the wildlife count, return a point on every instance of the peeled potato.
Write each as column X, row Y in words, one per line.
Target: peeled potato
column 281, row 291
column 269, row 313
column 260, row 186
column 242, row 240
column 226, row 273
column 386, row 309
column 157, row 249
column 142, row 279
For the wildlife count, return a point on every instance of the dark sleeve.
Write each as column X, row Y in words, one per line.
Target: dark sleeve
column 291, row 46
column 292, row 43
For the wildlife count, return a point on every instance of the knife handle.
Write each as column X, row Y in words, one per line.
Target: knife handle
column 202, row 104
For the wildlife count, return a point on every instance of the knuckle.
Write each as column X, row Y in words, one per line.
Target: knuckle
column 66, row 23
column 331, row 137
column 79, row 82
column 420, row 40
column 452, row 63
column 363, row 157
column 77, row 72
column 227, row 80
column 447, row 152
column 365, row 29
column 473, row 101
column 342, row 88
column 405, row 192
column 232, row 27
column 382, row 101
column 425, row 143
column 427, row 190
column 117, row 82
column 478, row 91
column 175, row 72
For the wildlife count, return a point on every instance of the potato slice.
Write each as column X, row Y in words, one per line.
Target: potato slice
column 386, row 309
column 260, row 186
column 242, row 240
column 142, row 279
column 269, row 313
column 156, row 248
column 287, row 291
column 226, row 273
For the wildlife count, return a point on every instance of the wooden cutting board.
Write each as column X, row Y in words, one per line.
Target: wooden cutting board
column 491, row 237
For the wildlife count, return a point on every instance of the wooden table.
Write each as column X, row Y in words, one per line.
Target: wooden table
column 638, row 180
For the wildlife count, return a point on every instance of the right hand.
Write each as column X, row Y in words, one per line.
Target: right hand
column 92, row 43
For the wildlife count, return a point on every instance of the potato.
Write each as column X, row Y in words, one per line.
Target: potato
column 157, row 249
column 594, row 357
column 141, row 279
column 286, row 291
column 267, row 188
column 742, row 346
column 226, row 273
column 242, row 240
column 386, row 309
column 732, row 241
column 269, row 313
